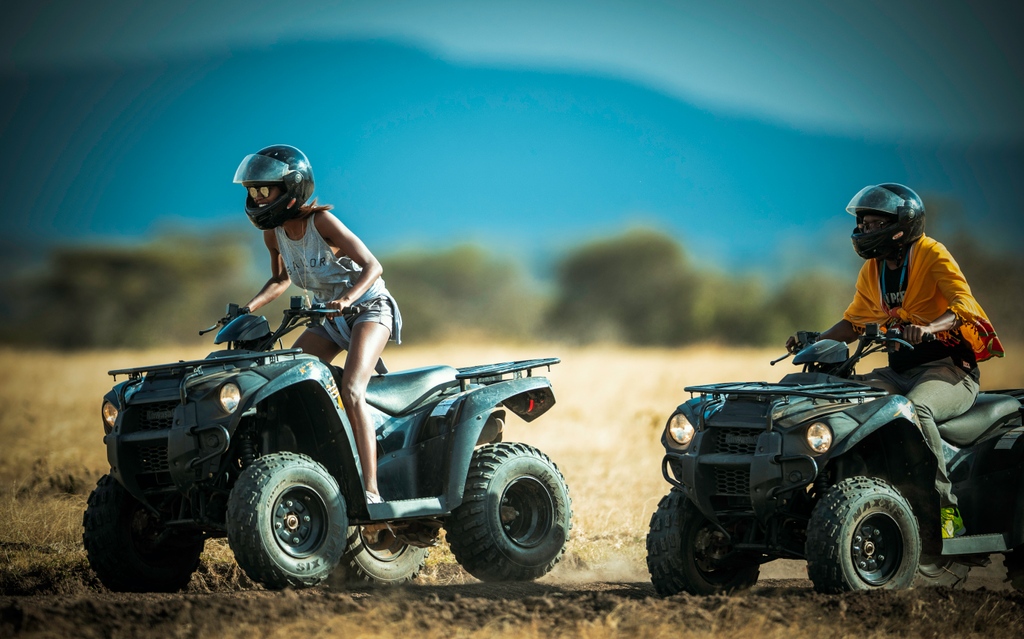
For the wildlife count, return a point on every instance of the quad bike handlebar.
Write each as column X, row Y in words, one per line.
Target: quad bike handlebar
column 872, row 340
column 318, row 311
column 256, row 335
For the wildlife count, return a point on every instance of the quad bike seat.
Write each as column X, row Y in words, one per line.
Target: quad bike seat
column 397, row 392
column 989, row 409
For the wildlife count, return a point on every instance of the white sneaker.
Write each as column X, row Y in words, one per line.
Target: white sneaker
column 373, row 498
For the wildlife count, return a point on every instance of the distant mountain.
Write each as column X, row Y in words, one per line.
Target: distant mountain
column 416, row 151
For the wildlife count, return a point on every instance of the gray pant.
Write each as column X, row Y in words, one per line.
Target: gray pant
column 940, row 391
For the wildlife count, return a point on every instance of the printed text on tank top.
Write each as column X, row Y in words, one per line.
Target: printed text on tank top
column 893, row 284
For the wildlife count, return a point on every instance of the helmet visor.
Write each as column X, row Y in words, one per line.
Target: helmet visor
column 875, row 198
column 260, row 168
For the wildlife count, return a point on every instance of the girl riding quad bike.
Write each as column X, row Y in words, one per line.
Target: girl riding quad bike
column 253, row 443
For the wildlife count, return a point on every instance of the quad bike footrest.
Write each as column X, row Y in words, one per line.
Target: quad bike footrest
column 974, row 544
column 406, row 508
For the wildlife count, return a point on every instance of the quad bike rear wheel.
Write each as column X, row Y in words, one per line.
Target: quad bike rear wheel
column 687, row 553
column 128, row 547
column 514, row 520
column 862, row 535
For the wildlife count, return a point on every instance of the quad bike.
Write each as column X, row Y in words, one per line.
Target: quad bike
column 253, row 443
column 823, row 468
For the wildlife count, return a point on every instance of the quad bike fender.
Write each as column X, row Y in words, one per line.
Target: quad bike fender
column 292, row 373
column 860, row 422
column 325, row 433
column 528, row 397
column 307, row 392
column 883, row 439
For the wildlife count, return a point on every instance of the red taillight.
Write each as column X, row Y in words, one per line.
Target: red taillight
column 530, row 408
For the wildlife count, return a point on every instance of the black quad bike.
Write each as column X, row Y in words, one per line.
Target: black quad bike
column 253, row 443
column 823, row 468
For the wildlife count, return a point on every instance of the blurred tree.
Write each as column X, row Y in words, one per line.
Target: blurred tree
column 808, row 301
column 129, row 296
column 461, row 291
column 637, row 288
column 738, row 310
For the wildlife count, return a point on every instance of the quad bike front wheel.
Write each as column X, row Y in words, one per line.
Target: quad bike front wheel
column 128, row 547
column 376, row 557
column 514, row 520
column 286, row 521
column 862, row 535
column 687, row 553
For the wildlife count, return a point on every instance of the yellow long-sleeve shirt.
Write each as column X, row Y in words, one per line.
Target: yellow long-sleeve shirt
column 935, row 284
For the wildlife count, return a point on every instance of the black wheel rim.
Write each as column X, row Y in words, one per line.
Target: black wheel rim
column 300, row 521
column 145, row 533
column 877, row 549
column 526, row 511
column 710, row 548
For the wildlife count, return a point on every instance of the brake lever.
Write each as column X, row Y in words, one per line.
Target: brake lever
column 220, row 322
column 900, row 341
column 894, row 335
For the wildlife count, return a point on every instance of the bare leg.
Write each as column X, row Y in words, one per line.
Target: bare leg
column 368, row 342
column 317, row 346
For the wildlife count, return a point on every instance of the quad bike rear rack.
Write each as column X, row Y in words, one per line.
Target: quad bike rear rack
column 493, row 373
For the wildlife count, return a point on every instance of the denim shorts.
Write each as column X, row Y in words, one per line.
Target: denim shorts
column 377, row 310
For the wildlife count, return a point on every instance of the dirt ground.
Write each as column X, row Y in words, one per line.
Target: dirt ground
column 782, row 604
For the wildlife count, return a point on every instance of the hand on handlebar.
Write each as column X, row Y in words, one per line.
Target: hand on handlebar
column 320, row 310
column 801, row 340
column 326, row 310
column 917, row 334
column 909, row 334
column 337, row 305
column 897, row 336
column 791, row 344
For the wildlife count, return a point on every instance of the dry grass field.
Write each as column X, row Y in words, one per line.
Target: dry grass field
column 603, row 433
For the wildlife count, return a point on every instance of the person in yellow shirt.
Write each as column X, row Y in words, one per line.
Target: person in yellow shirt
column 911, row 282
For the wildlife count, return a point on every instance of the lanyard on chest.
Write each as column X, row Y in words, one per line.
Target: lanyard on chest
column 901, row 287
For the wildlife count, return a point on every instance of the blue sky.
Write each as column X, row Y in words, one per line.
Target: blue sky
column 741, row 128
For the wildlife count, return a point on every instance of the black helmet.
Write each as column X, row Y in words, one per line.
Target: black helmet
column 901, row 205
column 279, row 165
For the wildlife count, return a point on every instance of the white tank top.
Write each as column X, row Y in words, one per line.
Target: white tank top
column 312, row 265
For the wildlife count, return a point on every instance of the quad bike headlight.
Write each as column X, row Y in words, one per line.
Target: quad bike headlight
column 109, row 412
column 680, row 430
column 819, row 437
column 230, row 396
